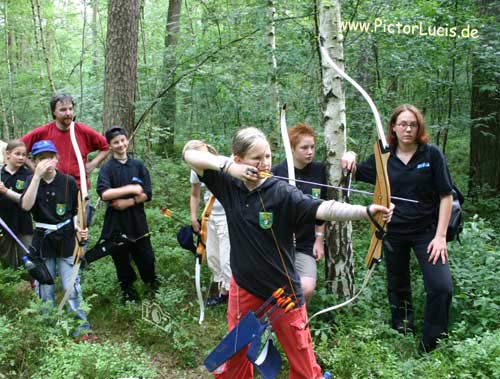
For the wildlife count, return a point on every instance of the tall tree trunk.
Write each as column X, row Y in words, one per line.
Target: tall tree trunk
column 339, row 255
column 82, row 55
column 485, row 105
column 121, row 64
column 95, row 41
column 44, row 48
column 274, row 104
column 452, row 84
column 9, row 65
column 5, row 124
column 168, row 104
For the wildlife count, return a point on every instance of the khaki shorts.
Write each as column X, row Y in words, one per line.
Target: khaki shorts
column 306, row 265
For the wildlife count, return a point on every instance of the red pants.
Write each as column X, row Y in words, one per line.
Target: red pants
column 295, row 340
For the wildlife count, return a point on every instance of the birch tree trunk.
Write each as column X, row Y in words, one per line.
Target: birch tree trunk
column 339, row 255
column 274, row 105
column 121, row 64
column 8, row 48
column 5, row 124
column 82, row 55
column 44, row 48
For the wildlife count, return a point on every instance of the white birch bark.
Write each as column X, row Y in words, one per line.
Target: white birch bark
column 339, row 257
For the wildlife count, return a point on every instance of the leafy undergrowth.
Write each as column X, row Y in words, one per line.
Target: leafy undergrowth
column 160, row 337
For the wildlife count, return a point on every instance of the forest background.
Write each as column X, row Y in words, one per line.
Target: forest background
column 175, row 70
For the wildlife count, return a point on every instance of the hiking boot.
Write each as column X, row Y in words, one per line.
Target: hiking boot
column 213, row 301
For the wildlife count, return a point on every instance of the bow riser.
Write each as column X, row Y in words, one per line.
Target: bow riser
column 382, row 196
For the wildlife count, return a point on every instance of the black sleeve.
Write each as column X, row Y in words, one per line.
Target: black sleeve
column 303, row 208
column 74, row 195
column 217, row 183
column 367, row 171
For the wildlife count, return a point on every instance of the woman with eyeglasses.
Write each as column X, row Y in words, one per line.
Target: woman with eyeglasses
column 417, row 170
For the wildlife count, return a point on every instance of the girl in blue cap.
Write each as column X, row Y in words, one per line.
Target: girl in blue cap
column 52, row 199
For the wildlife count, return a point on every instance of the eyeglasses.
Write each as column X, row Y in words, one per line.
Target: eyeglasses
column 405, row 125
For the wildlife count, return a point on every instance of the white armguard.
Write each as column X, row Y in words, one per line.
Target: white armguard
column 336, row 211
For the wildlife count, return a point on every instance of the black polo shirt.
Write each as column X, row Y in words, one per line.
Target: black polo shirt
column 55, row 202
column 256, row 219
column 314, row 172
column 13, row 215
column 425, row 178
column 131, row 221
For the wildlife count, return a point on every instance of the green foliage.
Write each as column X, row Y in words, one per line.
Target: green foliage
column 222, row 64
column 354, row 342
column 475, row 273
column 66, row 360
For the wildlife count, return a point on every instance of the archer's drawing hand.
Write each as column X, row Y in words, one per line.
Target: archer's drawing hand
column 3, row 188
column 244, row 172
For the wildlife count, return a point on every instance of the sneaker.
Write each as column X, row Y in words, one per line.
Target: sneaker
column 213, row 301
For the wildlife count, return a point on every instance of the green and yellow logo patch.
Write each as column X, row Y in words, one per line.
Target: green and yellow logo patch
column 19, row 184
column 265, row 220
column 316, row 192
column 60, row 209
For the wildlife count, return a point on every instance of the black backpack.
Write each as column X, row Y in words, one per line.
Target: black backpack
column 456, row 224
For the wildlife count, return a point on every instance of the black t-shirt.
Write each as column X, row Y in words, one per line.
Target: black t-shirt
column 55, row 203
column 132, row 220
column 314, row 172
column 13, row 215
column 257, row 221
column 424, row 179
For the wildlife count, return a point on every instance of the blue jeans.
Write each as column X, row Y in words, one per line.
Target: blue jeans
column 47, row 292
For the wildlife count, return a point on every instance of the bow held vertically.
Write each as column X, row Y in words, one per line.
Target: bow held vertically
column 382, row 193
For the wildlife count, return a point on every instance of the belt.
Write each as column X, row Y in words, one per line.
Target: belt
column 52, row 227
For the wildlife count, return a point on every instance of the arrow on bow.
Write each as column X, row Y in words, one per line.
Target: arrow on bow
column 83, row 198
column 382, row 193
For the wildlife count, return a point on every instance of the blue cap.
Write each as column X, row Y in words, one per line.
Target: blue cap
column 185, row 238
column 42, row 147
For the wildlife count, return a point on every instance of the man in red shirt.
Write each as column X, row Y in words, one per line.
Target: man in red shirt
column 57, row 131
